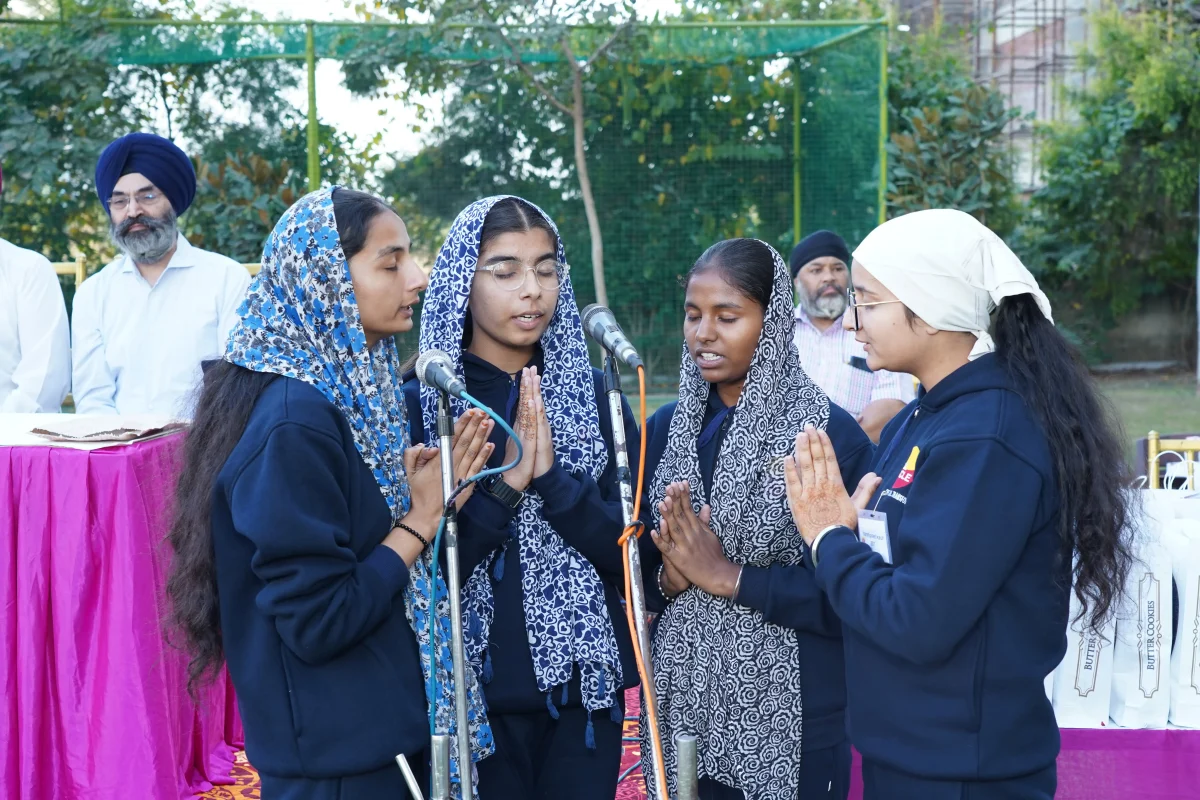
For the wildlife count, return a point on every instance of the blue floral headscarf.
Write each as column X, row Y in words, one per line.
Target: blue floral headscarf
column 566, row 617
column 300, row 319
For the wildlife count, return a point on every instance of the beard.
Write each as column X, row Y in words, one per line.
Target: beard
column 823, row 306
column 145, row 246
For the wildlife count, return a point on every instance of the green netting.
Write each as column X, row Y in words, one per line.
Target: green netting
column 840, row 135
column 694, row 142
column 725, row 169
column 185, row 43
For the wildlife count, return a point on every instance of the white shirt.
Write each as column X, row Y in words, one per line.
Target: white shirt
column 35, row 345
column 137, row 347
column 830, row 358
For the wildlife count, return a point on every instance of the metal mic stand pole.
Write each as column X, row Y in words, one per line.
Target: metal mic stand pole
column 445, row 426
column 637, row 595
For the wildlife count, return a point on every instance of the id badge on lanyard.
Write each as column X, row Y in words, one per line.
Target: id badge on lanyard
column 873, row 525
column 873, row 531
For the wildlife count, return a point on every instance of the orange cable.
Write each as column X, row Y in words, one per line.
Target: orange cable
column 633, row 531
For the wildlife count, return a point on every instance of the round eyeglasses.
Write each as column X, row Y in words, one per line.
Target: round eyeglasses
column 510, row 275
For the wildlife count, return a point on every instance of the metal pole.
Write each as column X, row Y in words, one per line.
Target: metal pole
column 439, row 767
column 883, row 122
column 637, row 594
column 687, row 782
column 314, row 157
column 446, row 449
column 414, row 788
column 797, row 115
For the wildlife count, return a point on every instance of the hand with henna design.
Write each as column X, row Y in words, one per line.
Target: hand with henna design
column 816, row 494
column 544, row 458
column 526, row 428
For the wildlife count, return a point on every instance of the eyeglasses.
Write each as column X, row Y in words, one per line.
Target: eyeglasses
column 510, row 275
column 854, row 305
column 119, row 202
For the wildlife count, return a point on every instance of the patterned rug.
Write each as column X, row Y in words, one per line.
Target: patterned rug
column 244, row 780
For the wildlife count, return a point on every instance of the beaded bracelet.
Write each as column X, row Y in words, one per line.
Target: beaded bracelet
column 662, row 590
column 402, row 526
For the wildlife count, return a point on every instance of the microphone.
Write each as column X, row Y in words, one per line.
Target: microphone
column 602, row 326
column 435, row 368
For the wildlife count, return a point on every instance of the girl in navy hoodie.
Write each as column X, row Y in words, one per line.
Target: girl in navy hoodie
column 747, row 653
column 544, row 623
column 303, row 518
column 954, row 593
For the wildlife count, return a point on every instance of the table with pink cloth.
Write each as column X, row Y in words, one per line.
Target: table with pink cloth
column 96, row 699
column 1118, row 764
column 1106, row 764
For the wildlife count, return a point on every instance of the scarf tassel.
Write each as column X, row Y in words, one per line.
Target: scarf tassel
column 550, row 706
column 589, row 735
column 563, row 701
column 498, row 569
column 474, row 625
column 614, row 713
column 486, row 672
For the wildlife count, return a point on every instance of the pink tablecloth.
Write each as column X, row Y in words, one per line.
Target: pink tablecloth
column 1118, row 764
column 96, row 704
column 1111, row 764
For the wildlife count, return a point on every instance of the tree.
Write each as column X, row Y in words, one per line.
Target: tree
column 682, row 156
column 60, row 104
column 64, row 96
column 947, row 145
column 250, row 175
column 521, row 35
column 1116, row 220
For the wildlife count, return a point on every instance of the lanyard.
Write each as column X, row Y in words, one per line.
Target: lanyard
column 891, row 448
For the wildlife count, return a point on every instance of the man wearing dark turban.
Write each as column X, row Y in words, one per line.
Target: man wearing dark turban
column 143, row 324
column 829, row 353
column 35, row 348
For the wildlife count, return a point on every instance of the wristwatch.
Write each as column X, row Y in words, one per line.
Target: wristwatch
column 497, row 488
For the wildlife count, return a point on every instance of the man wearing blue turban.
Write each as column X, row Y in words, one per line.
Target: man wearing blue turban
column 144, row 323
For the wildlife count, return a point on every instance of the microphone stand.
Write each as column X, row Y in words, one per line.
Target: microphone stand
column 445, row 427
column 637, row 594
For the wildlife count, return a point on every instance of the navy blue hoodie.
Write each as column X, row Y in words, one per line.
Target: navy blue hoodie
column 586, row 513
column 312, row 610
column 786, row 595
column 947, row 648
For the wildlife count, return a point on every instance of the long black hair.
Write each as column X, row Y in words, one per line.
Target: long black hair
column 1085, row 444
column 746, row 264
column 227, row 397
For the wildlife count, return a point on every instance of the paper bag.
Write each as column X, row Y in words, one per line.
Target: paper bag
column 1083, row 681
column 1183, row 541
column 1141, row 688
column 1183, row 504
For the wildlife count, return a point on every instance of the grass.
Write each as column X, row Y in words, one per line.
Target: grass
column 1167, row 403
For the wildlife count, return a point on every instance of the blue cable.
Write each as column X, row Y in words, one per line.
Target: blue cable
column 437, row 546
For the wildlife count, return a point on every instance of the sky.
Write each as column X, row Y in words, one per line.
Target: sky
column 362, row 118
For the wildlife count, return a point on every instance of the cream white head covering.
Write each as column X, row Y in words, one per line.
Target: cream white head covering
column 949, row 269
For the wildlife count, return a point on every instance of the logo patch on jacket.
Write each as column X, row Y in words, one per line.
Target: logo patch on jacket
column 910, row 467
